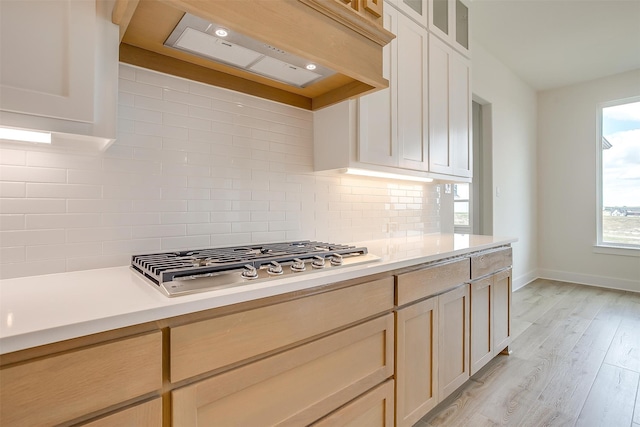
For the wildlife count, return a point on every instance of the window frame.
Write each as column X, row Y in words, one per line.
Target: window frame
column 463, row 229
column 601, row 246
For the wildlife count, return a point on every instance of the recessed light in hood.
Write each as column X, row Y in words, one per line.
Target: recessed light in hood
column 198, row 36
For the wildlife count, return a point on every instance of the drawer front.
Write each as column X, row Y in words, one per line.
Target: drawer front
column 431, row 280
column 70, row 385
column 148, row 414
column 490, row 261
column 212, row 344
column 296, row 387
column 374, row 409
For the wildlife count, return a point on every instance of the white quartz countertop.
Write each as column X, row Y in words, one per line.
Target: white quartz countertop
column 40, row 310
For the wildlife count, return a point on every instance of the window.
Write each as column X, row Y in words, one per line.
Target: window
column 619, row 174
column 461, row 209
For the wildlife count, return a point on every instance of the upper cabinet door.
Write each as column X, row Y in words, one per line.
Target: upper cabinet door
column 449, row 20
column 413, row 119
column 418, row 10
column 47, row 66
column 449, row 111
column 377, row 112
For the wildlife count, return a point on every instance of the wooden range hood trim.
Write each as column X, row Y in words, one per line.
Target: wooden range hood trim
column 357, row 69
column 165, row 64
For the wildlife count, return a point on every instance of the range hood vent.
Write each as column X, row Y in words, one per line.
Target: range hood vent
column 212, row 41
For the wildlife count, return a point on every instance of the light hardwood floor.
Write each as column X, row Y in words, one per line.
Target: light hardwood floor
column 575, row 361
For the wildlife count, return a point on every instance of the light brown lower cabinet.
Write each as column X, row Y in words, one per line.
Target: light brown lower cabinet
column 373, row 409
column 296, row 387
column 416, row 361
column 490, row 317
column 70, row 385
column 453, row 342
column 148, row 414
column 502, row 310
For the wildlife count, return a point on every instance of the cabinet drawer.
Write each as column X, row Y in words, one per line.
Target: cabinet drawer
column 374, row 409
column 212, row 344
column 431, row 280
column 295, row 387
column 148, row 414
column 67, row 386
column 490, row 261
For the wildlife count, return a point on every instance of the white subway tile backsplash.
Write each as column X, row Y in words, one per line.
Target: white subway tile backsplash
column 98, row 234
column 193, row 166
column 137, row 218
column 184, row 217
column 13, row 189
column 17, row 206
column 209, row 228
column 12, row 157
column 131, row 246
column 31, row 237
column 189, row 242
column 136, row 88
column 12, row 255
column 170, row 230
column 32, row 174
column 65, row 220
column 187, row 98
column 11, row 222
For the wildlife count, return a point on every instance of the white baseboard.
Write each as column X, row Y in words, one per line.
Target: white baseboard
column 587, row 279
column 524, row 279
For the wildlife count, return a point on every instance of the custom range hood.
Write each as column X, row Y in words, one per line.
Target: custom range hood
column 305, row 53
column 213, row 41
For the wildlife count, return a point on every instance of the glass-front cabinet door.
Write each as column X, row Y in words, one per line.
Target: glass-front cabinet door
column 418, row 10
column 449, row 20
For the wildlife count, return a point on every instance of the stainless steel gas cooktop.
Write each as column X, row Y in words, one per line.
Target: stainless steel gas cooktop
column 187, row 272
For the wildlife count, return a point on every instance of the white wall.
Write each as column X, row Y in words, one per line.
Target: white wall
column 193, row 166
column 567, row 184
column 513, row 129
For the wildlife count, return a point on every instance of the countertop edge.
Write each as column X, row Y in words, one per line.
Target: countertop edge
column 166, row 308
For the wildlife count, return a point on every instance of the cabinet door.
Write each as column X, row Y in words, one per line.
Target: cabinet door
column 295, row 387
column 377, row 112
column 413, row 131
column 501, row 311
column 453, row 344
column 148, row 414
column 373, row 409
column 460, row 115
column 440, row 151
column 416, row 361
column 56, row 389
column 54, row 35
column 417, row 10
column 449, row 20
column 449, row 111
column 481, row 323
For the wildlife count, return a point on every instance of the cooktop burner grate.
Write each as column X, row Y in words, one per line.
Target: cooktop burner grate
column 161, row 268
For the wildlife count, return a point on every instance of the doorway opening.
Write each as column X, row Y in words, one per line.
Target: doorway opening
column 473, row 203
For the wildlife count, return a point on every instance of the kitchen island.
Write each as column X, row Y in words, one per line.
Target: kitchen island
column 172, row 354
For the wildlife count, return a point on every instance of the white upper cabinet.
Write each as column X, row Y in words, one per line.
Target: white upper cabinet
column 449, row 20
column 386, row 131
column 450, row 111
column 420, row 126
column 377, row 127
column 417, row 10
column 413, row 102
column 59, row 69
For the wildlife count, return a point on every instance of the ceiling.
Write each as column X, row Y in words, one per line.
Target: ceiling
column 554, row 43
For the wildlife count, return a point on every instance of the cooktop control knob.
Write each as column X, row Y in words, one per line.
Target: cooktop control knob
column 336, row 259
column 274, row 268
column 250, row 272
column 318, row 262
column 298, row 265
